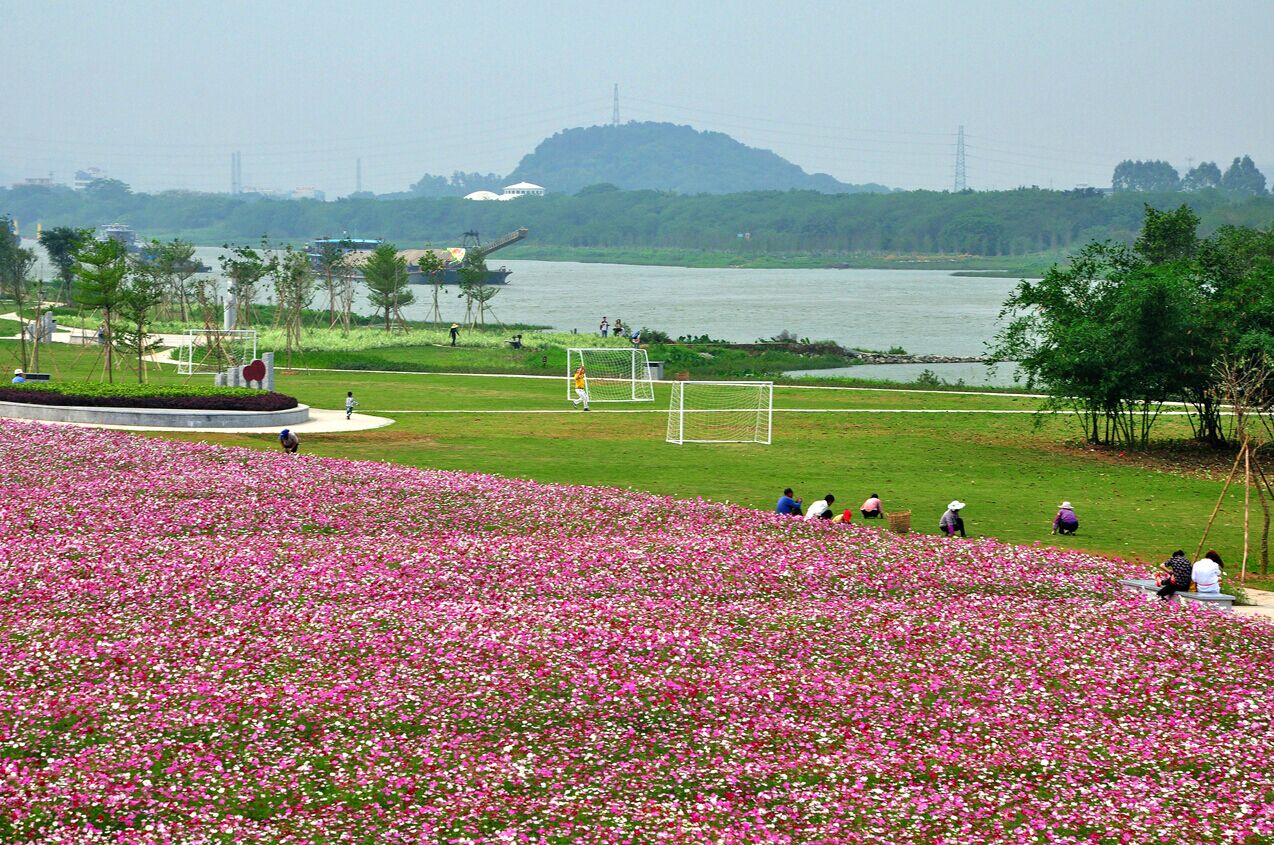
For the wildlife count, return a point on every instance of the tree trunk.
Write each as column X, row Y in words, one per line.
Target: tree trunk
column 109, row 340
column 1265, row 513
column 1247, row 500
column 39, row 328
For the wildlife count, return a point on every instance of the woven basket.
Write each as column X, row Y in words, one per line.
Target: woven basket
column 899, row 521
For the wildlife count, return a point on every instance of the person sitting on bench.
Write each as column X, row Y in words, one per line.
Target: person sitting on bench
column 1177, row 569
column 1206, row 573
column 872, row 508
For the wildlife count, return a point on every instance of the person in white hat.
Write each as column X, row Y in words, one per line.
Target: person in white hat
column 951, row 521
column 18, row 377
column 1065, row 522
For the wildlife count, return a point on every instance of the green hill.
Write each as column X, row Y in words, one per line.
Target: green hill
column 666, row 157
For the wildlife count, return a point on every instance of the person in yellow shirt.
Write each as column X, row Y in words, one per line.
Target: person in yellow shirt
column 581, row 388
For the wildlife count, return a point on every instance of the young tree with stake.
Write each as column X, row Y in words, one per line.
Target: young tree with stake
column 385, row 275
column 142, row 292
column 100, row 269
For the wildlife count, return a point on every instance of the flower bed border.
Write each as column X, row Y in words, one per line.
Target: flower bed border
column 215, row 399
column 176, row 418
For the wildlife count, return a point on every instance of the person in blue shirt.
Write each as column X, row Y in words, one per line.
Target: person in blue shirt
column 18, row 377
column 787, row 505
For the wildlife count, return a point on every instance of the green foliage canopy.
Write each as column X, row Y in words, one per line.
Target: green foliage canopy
column 1118, row 331
column 385, row 275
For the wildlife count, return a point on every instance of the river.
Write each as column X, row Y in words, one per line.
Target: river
column 930, row 312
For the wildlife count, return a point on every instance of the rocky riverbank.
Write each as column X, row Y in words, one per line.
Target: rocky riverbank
column 883, row 358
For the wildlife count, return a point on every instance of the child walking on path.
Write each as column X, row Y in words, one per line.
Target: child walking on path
column 350, row 404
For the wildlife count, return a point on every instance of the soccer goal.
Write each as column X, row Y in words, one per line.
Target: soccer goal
column 213, row 350
column 611, row 374
column 721, row 412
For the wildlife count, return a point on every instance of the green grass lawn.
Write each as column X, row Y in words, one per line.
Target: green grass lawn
column 1011, row 469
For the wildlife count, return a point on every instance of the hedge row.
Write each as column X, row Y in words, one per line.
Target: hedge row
column 177, row 397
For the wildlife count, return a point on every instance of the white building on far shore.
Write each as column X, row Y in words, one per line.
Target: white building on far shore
column 523, row 189
column 511, row 192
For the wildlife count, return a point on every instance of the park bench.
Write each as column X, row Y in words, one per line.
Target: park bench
column 1221, row 601
column 36, row 376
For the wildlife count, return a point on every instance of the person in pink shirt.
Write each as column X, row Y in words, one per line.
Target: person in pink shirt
column 872, row 508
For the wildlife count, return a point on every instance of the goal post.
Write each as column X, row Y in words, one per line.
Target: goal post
column 721, row 412
column 209, row 351
column 611, row 374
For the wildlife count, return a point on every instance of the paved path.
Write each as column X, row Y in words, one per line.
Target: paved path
column 1262, row 606
column 320, row 422
column 87, row 337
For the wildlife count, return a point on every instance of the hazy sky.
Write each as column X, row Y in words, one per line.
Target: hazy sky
column 1050, row 93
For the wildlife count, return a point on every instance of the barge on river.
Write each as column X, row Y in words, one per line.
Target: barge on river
column 454, row 259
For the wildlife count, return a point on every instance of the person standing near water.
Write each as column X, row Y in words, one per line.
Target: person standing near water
column 604, row 327
column 455, row 333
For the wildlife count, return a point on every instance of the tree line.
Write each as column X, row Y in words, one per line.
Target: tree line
column 999, row 223
column 1121, row 330
column 1240, row 179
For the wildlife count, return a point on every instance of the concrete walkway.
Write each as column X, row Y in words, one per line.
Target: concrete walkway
column 320, row 422
column 1262, row 606
column 85, row 338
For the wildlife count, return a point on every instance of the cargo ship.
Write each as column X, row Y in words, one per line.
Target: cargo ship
column 454, row 259
column 127, row 238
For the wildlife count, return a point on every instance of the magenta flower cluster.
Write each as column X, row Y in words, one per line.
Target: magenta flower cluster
column 202, row 644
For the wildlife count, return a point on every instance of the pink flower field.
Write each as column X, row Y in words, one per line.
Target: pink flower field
column 201, row 644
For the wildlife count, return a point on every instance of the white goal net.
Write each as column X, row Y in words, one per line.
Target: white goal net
column 215, row 350
column 611, row 374
column 721, row 412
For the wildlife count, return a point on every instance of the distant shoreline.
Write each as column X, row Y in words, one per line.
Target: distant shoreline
column 1031, row 266
column 1007, row 267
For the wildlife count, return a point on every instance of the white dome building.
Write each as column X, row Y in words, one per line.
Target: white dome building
column 480, row 196
column 523, row 189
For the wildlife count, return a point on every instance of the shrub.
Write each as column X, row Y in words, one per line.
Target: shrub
column 177, row 397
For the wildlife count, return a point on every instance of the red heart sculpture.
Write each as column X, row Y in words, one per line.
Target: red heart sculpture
column 254, row 371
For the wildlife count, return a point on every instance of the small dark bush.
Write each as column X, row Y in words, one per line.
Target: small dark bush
column 176, row 397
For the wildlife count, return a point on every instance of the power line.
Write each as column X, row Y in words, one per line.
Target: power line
column 959, row 172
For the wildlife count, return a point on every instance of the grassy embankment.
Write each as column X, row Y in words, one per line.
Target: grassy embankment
column 425, row 348
column 1011, row 472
